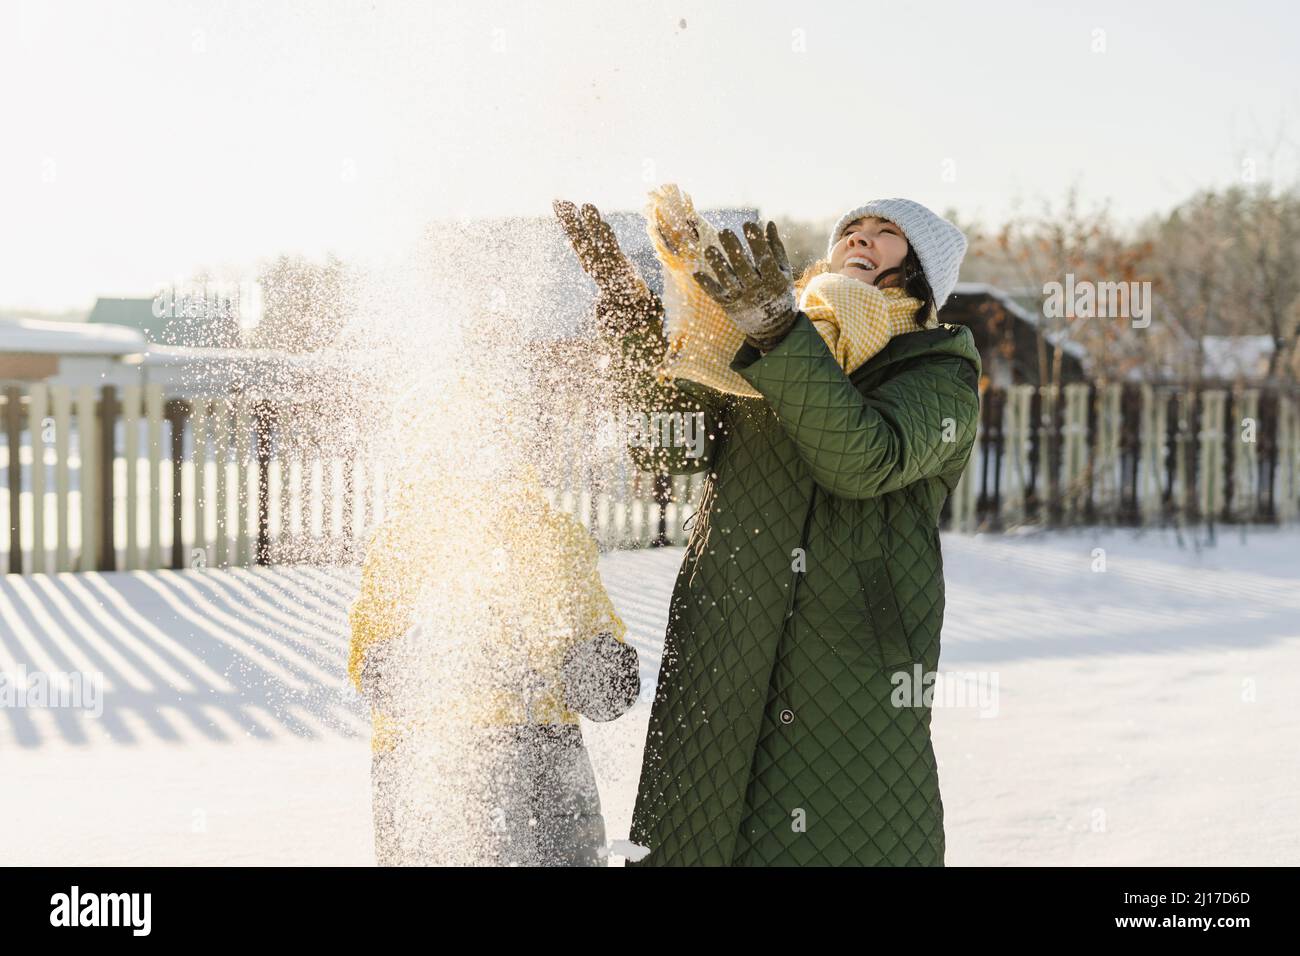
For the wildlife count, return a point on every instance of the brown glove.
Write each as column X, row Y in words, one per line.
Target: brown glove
column 758, row 296
column 624, row 302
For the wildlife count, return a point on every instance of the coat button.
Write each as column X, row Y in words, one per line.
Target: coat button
column 787, row 716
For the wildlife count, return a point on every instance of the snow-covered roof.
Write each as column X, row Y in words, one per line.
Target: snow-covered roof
column 69, row 338
column 1019, row 311
column 173, row 355
column 1236, row 356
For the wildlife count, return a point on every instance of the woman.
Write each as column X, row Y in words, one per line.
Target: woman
column 855, row 310
column 813, row 587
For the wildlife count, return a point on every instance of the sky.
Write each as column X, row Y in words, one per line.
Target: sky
column 144, row 141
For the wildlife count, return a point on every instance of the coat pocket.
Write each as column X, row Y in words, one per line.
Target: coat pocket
column 882, row 610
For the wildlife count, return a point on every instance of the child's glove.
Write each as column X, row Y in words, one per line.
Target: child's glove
column 601, row 678
column 759, row 296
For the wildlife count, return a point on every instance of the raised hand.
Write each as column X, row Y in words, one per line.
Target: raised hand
column 683, row 231
column 624, row 299
column 759, row 296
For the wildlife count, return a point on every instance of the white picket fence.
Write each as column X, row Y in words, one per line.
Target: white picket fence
column 319, row 507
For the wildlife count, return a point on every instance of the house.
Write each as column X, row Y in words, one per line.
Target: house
column 1007, row 335
column 207, row 318
column 1236, row 358
column 1217, row 361
column 81, row 353
column 73, row 353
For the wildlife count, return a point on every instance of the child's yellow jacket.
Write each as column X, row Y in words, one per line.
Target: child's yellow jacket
column 534, row 571
column 856, row 320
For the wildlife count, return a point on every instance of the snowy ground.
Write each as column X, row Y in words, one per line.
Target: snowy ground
column 1144, row 714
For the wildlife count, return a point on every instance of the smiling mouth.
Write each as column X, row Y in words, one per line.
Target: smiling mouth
column 860, row 262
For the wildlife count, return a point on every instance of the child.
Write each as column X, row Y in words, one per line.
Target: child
column 480, row 633
column 855, row 316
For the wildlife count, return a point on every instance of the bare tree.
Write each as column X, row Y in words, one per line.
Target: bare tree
column 1192, row 251
column 1228, row 263
column 1033, row 250
column 1265, row 277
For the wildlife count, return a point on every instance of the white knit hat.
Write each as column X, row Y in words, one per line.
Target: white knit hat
column 938, row 243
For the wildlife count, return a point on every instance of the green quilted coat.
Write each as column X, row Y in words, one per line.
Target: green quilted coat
column 813, row 573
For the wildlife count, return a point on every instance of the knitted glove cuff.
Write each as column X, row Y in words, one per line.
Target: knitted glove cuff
column 769, row 339
column 619, row 313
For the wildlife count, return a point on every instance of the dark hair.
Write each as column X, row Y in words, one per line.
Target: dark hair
column 910, row 276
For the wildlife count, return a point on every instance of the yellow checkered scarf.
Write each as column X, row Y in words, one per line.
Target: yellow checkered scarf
column 855, row 319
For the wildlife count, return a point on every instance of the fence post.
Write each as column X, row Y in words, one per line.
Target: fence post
column 243, row 465
column 1269, row 405
column 349, row 463
column 153, row 403
column 1017, row 445
column 176, row 412
column 199, row 457
column 1049, row 461
column 86, row 478
column 1173, row 455
column 989, row 455
column 264, row 418
column 1154, row 466
column 131, row 452
column 1183, row 500
column 37, row 409
column 1229, row 458
column 1129, row 452
column 1210, row 454
column 61, row 400
column 1033, row 490
column 1092, row 451
column 1288, row 448
column 14, row 437
column 108, row 407
column 1106, row 479
column 308, row 457
column 1245, row 458
column 220, row 431
column 288, row 452
column 662, row 487
column 1073, row 449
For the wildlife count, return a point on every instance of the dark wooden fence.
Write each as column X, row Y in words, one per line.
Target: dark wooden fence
column 1131, row 454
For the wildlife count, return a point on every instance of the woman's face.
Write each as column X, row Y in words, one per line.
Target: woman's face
column 867, row 247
